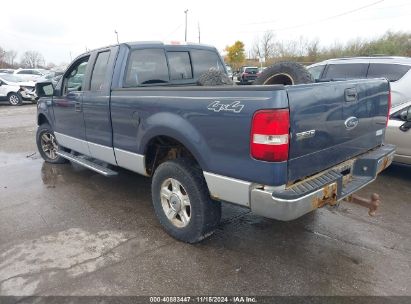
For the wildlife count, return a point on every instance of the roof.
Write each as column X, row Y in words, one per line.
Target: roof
column 154, row 44
column 370, row 59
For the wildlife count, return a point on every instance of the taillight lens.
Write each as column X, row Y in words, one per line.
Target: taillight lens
column 389, row 108
column 270, row 135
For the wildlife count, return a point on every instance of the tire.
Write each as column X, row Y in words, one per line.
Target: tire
column 214, row 77
column 173, row 183
column 14, row 99
column 286, row 73
column 44, row 133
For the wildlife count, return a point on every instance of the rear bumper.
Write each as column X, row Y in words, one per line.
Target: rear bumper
column 327, row 187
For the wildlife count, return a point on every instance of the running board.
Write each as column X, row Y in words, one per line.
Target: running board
column 87, row 163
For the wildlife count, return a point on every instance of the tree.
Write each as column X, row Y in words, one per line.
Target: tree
column 10, row 57
column 265, row 47
column 236, row 54
column 2, row 55
column 32, row 59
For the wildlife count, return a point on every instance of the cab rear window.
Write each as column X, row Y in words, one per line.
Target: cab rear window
column 204, row 60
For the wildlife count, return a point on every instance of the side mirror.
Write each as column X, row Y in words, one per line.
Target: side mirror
column 44, row 89
column 406, row 116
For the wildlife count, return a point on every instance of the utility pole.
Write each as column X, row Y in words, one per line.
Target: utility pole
column 185, row 36
column 199, row 40
column 115, row 32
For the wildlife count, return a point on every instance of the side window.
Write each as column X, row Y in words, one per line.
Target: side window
column 99, row 71
column 316, row 71
column 147, row 66
column 180, row 65
column 392, row 72
column 73, row 80
column 26, row 72
column 204, row 60
column 346, row 71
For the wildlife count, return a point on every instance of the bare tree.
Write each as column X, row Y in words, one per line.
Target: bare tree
column 264, row 47
column 32, row 59
column 10, row 57
column 268, row 45
column 313, row 50
column 2, row 55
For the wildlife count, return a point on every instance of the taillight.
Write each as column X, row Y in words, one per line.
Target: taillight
column 270, row 135
column 389, row 108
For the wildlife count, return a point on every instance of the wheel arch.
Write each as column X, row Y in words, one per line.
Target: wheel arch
column 171, row 131
column 41, row 119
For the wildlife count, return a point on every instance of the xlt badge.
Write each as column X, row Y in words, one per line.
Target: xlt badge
column 305, row 135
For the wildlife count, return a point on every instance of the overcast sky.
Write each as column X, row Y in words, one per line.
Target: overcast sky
column 64, row 29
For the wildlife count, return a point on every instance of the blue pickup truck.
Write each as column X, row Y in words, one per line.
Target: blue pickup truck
column 281, row 151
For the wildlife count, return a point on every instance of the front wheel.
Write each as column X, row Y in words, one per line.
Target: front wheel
column 47, row 145
column 182, row 203
column 15, row 99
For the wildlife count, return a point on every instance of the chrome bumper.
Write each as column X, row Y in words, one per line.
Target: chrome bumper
column 328, row 187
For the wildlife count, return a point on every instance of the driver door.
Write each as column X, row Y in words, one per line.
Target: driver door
column 68, row 107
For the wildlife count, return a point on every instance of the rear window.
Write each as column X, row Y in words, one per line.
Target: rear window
column 147, row 66
column 349, row 71
column 392, row 72
column 180, row 65
column 251, row 70
column 204, row 60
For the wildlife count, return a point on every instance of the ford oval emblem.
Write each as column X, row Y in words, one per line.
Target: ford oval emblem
column 351, row 122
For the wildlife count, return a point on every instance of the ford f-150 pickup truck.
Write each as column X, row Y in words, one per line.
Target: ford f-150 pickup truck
column 281, row 151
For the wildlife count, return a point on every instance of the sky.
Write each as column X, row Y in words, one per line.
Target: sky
column 62, row 30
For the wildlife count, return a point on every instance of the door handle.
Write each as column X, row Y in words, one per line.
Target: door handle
column 77, row 106
column 351, row 95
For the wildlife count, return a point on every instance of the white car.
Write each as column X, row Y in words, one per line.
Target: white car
column 15, row 90
column 396, row 69
column 29, row 74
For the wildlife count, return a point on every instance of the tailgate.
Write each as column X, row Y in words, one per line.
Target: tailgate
column 333, row 122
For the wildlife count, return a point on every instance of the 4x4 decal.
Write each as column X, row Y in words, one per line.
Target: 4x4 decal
column 217, row 106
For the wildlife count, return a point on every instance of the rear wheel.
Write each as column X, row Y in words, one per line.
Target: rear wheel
column 182, row 203
column 15, row 99
column 286, row 73
column 47, row 145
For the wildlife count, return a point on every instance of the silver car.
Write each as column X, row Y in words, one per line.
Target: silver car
column 399, row 132
column 396, row 69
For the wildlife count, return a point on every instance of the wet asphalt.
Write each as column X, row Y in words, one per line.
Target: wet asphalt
column 65, row 230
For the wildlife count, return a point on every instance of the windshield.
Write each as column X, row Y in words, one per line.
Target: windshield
column 11, row 78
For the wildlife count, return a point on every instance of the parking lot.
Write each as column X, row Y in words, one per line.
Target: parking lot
column 65, row 230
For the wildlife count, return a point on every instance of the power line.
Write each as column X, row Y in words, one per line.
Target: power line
column 324, row 19
column 172, row 32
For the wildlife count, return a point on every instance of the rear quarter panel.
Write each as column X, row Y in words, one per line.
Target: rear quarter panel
column 219, row 140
